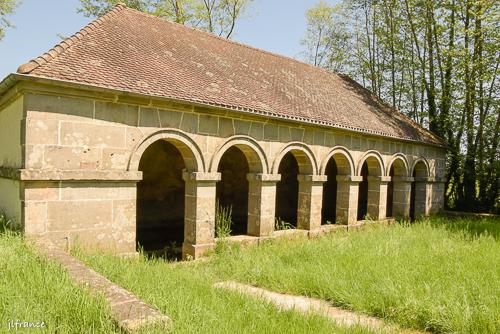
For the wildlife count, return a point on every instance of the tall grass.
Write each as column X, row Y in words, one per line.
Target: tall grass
column 34, row 290
column 184, row 292
column 429, row 275
column 6, row 224
column 223, row 220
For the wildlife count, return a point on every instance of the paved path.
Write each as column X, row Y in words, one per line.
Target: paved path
column 129, row 312
column 306, row 305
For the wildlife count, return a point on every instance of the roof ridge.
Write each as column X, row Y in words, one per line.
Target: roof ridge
column 61, row 47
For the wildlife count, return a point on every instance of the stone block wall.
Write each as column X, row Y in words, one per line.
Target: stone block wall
column 11, row 158
column 81, row 151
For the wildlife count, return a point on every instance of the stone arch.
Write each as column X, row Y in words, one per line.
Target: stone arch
column 304, row 156
column 374, row 161
column 338, row 163
column 162, row 195
column 397, row 190
column 419, row 192
column 188, row 148
column 371, row 191
column 239, row 158
column 343, row 159
column 420, row 168
column 400, row 163
column 295, row 161
column 254, row 153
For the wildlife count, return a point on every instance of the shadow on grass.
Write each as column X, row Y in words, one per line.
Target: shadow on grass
column 472, row 225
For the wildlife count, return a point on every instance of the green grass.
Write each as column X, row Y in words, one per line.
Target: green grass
column 437, row 275
column 34, row 290
column 185, row 293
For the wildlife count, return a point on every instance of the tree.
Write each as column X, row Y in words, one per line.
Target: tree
column 6, row 7
column 215, row 16
column 438, row 62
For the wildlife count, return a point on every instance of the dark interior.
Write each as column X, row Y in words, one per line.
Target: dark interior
column 232, row 190
column 328, row 211
column 287, row 190
column 363, row 193
column 160, row 199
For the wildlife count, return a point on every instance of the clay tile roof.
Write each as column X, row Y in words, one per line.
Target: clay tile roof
column 135, row 52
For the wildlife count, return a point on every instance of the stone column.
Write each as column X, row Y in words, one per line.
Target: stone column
column 261, row 203
column 199, row 213
column 377, row 196
column 401, row 196
column 437, row 195
column 347, row 199
column 310, row 201
column 422, row 198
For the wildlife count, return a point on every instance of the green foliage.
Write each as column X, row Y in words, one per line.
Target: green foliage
column 471, row 226
column 280, row 225
column 215, row 16
column 437, row 62
column 6, row 7
column 223, row 220
column 327, row 37
column 96, row 8
column 7, row 225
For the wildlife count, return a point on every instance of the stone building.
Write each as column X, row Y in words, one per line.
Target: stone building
column 131, row 130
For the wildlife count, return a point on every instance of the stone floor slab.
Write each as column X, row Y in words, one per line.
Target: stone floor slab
column 313, row 305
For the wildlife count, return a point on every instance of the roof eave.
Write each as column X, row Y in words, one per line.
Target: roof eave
column 7, row 83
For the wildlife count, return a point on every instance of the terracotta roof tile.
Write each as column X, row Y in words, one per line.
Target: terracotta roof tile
column 132, row 51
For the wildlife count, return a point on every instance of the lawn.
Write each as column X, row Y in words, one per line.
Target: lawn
column 438, row 274
column 33, row 290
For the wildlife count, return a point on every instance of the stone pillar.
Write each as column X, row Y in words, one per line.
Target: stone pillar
column 377, row 196
column 310, row 201
column 401, row 196
column 422, row 196
column 261, row 203
column 199, row 213
column 437, row 195
column 347, row 198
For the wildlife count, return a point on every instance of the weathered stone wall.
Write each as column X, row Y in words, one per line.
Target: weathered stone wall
column 10, row 202
column 93, row 213
column 80, row 147
column 11, row 116
column 89, row 134
column 11, row 157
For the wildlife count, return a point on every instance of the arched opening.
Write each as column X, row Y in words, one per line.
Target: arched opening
column 369, row 195
column 232, row 190
column 287, row 190
column 329, row 206
column 394, row 194
column 418, row 195
column 363, row 193
column 160, row 200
